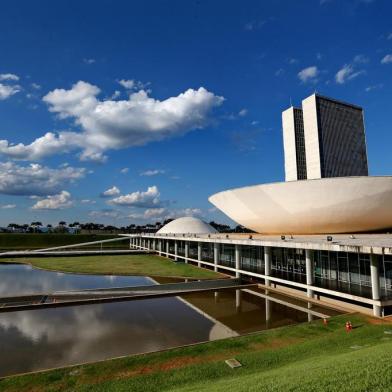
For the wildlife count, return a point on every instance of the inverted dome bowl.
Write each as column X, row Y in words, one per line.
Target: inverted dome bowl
column 321, row 206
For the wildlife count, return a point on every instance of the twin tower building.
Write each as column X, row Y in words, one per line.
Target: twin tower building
column 324, row 138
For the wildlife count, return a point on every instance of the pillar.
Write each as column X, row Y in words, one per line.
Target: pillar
column 167, row 248
column 309, row 271
column 375, row 278
column 175, row 250
column 237, row 261
column 267, row 262
column 160, row 247
column 267, row 312
column 216, row 256
column 199, row 253
column 238, row 298
column 186, row 251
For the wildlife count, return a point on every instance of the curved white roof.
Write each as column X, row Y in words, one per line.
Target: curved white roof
column 328, row 205
column 187, row 225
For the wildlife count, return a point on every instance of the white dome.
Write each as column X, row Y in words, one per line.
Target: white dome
column 187, row 225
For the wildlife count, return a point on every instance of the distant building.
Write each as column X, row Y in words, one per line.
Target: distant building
column 326, row 138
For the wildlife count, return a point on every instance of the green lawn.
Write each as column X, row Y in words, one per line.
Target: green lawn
column 146, row 265
column 10, row 241
column 304, row 358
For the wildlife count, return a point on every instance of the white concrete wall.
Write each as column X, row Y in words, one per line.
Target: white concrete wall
column 312, row 147
column 290, row 160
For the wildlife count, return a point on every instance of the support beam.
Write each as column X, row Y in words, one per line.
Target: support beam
column 216, row 256
column 175, row 250
column 309, row 271
column 267, row 262
column 237, row 260
column 375, row 278
column 199, row 253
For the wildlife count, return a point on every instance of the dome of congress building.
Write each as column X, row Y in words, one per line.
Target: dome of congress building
column 187, row 225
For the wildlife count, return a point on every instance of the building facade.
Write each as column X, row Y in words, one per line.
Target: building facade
column 352, row 270
column 326, row 137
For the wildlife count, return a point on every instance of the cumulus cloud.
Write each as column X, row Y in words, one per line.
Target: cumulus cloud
column 9, row 76
column 7, row 91
column 243, row 112
column 113, row 124
column 124, row 170
column 35, row 179
column 113, row 191
column 154, row 172
column 386, row 59
column 146, row 199
column 105, row 213
column 308, row 74
column 346, row 73
column 8, row 206
column 164, row 213
column 87, row 201
column 54, row 202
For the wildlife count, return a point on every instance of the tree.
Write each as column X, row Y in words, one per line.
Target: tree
column 62, row 223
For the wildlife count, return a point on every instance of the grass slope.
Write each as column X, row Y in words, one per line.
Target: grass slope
column 146, row 265
column 36, row 241
column 306, row 357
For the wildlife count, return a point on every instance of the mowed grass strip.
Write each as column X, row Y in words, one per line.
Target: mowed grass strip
column 10, row 241
column 146, row 265
column 305, row 357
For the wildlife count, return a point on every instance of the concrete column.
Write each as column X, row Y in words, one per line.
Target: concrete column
column 237, row 261
column 375, row 278
column 309, row 271
column 199, row 253
column 267, row 312
column 167, row 248
column 186, row 251
column 238, row 300
column 216, row 256
column 267, row 263
column 154, row 244
column 160, row 247
column 175, row 250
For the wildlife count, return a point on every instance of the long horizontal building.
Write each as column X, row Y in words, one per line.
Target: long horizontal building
column 352, row 269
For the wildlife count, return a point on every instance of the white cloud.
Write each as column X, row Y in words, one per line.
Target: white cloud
column 346, row 73
column 308, row 74
column 87, row 201
column 255, row 25
column 150, row 173
column 35, row 86
column 8, row 206
column 147, row 199
column 105, row 213
column 361, row 59
column 389, row 36
column 35, row 179
column 9, row 76
column 374, row 87
column 113, row 191
column 164, row 213
column 88, row 61
column 386, row 59
column 115, row 124
column 7, row 91
column 127, row 83
column 279, row 72
column 124, row 170
column 243, row 112
column 54, row 202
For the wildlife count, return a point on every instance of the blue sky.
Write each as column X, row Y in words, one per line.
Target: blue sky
column 163, row 103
